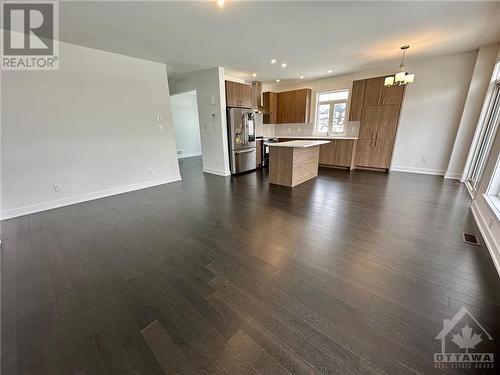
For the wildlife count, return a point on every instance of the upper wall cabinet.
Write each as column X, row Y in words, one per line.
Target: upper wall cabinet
column 270, row 103
column 373, row 91
column 357, row 98
column 294, row 106
column 393, row 95
column 377, row 94
column 238, row 95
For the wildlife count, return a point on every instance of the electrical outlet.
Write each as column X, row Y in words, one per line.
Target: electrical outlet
column 299, row 130
column 57, row 187
column 149, row 172
column 158, row 118
column 424, row 160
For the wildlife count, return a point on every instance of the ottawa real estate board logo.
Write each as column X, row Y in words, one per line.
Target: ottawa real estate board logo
column 30, row 34
column 464, row 344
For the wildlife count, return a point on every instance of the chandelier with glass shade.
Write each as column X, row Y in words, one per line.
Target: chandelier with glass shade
column 401, row 78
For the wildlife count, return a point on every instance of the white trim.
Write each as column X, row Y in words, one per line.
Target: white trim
column 234, row 79
column 20, row 211
column 494, row 204
column 218, row 172
column 470, row 189
column 453, row 176
column 182, row 156
column 488, row 238
column 439, row 172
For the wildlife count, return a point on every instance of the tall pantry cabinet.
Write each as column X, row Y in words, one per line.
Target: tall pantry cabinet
column 377, row 108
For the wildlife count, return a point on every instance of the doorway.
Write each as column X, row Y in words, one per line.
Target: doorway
column 186, row 127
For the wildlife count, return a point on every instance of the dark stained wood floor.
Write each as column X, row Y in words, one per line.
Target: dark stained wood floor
column 351, row 273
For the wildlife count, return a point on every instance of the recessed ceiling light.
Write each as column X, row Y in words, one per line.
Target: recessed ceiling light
column 329, row 70
column 301, row 77
column 273, row 61
column 283, row 65
column 254, row 75
column 278, row 80
column 220, row 3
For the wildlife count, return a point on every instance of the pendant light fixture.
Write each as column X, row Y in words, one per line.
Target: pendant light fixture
column 401, row 78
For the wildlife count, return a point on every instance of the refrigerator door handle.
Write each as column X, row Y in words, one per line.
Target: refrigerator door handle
column 245, row 123
column 245, row 151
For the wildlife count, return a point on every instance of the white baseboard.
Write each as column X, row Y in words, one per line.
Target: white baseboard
column 218, row 172
column 182, row 156
column 43, row 206
column 489, row 240
column 439, row 172
column 453, row 176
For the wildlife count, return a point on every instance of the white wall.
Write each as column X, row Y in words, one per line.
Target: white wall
column 210, row 91
column 480, row 81
column 486, row 220
column 431, row 110
column 186, row 124
column 90, row 127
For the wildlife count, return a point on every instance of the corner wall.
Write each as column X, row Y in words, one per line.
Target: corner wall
column 210, row 90
column 88, row 130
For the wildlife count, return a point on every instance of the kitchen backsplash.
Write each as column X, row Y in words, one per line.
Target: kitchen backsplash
column 298, row 130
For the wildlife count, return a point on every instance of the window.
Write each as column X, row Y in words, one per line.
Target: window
column 484, row 141
column 331, row 111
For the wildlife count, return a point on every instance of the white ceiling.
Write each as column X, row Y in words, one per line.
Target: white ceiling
column 311, row 37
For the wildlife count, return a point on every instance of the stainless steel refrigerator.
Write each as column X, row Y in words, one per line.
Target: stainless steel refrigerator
column 241, row 137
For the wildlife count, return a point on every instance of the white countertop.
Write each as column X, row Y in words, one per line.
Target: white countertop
column 299, row 144
column 315, row 137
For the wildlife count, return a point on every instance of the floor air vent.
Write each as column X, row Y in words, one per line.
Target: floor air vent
column 470, row 238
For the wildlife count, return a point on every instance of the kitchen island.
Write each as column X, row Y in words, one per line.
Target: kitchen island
column 294, row 162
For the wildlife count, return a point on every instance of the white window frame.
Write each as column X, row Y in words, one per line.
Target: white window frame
column 332, row 103
column 492, row 195
column 483, row 142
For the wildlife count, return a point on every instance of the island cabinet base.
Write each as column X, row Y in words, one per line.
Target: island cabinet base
column 290, row 166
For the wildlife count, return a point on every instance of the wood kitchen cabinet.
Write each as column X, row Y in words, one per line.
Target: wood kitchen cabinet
column 294, row 106
column 238, row 95
column 270, row 103
column 377, row 94
column 378, row 123
column 393, row 95
column 258, row 153
column 373, row 91
column 357, row 99
column 374, row 153
column 339, row 152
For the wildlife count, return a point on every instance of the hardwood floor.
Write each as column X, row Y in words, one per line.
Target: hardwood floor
column 349, row 273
